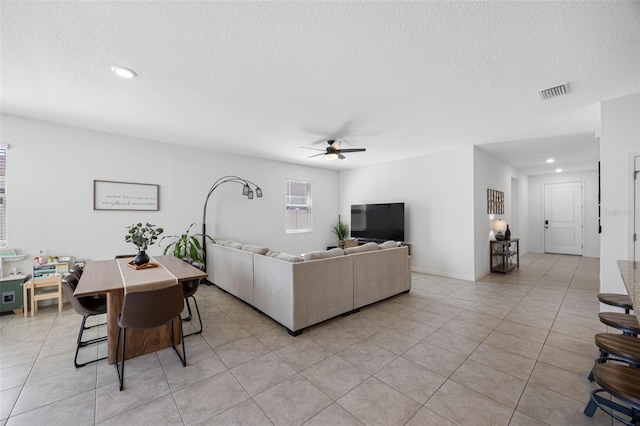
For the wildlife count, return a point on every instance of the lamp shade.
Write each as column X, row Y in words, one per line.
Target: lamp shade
column 499, row 225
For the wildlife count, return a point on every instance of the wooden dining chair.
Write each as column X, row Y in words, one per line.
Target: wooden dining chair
column 144, row 310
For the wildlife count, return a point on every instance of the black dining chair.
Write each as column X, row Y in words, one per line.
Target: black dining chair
column 76, row 272
column 144, row 310
column 189, row 289
column 87, row 307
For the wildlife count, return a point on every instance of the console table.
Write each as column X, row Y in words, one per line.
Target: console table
column 502, row 253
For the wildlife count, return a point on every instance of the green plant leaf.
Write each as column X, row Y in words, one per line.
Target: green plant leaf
column 186, row 245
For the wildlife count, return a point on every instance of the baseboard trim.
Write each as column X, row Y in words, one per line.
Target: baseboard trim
column 444, row 274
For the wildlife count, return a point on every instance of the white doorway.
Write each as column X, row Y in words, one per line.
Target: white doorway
column 563, row 218
column 636, row 210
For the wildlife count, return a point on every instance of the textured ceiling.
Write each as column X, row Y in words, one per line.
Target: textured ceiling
column 266, row 78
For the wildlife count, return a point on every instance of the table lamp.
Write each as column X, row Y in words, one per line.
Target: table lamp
column 499, row 226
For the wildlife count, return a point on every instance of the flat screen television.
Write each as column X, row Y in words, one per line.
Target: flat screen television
column 377, row 222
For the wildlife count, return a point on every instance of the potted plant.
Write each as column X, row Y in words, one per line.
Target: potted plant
column 341, row 230
column 186, row 245
column 142, row 236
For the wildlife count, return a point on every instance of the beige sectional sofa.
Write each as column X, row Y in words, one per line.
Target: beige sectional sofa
column 299, row 293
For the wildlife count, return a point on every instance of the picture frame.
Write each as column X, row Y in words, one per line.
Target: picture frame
column 129, row 196
column 495, row 202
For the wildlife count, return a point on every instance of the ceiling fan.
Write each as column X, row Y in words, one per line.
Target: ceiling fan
column 333, row 151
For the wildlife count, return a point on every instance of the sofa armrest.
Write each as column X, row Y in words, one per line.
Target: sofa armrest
column 232, row 270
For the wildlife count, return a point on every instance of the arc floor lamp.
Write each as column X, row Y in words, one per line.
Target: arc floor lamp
column 248, row 189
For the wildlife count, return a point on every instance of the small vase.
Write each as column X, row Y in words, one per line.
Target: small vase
column 341, row 244
column 141, row 258
column 507, row 233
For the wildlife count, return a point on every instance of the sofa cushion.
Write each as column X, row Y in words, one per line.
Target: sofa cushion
column 323, row 254
column 289, row 257
column 272, row 253
column 361, row 249
column 233, row 244
column 388, row 244
column 337, row 250
column 255, row 249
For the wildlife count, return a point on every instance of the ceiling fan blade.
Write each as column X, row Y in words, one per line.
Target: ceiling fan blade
column 315, row 155
column 319, row 142
column 315, row 149
column 353, row 150
column 340, row 156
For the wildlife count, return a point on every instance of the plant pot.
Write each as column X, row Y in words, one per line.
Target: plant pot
column 341, row 244
column 141, row 258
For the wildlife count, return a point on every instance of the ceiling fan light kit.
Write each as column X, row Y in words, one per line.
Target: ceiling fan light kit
column 333, row 151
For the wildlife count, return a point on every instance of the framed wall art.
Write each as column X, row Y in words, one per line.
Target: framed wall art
column 495, row 202
column 109, row 195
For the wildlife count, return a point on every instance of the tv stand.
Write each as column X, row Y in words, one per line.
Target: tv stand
column 362, row 241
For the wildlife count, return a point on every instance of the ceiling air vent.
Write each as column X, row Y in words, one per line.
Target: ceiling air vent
column 553, row 92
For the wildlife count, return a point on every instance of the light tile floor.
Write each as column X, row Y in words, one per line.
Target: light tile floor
column 513, row 349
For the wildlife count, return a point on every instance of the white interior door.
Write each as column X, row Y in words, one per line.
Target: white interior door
column 636, row 210
column 563, row 218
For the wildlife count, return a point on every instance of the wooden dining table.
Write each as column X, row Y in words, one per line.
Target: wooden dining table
column 630, row 271
column 104, row 277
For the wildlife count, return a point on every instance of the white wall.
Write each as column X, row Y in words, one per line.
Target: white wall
column 589, row 179
column 437, row 191
column 491, row 173
column 50, row 176
column 620, row 137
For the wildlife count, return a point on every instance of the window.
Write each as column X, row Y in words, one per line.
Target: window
column 298, row 206
column 3, row 198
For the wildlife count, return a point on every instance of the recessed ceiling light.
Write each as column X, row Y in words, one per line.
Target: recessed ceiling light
column 558, row 170
column 550, row 160
column 123, row 72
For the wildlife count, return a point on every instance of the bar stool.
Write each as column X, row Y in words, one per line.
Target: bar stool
column 628, row 324
column 621, row 382
column 620, row 346
column 617, row 300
